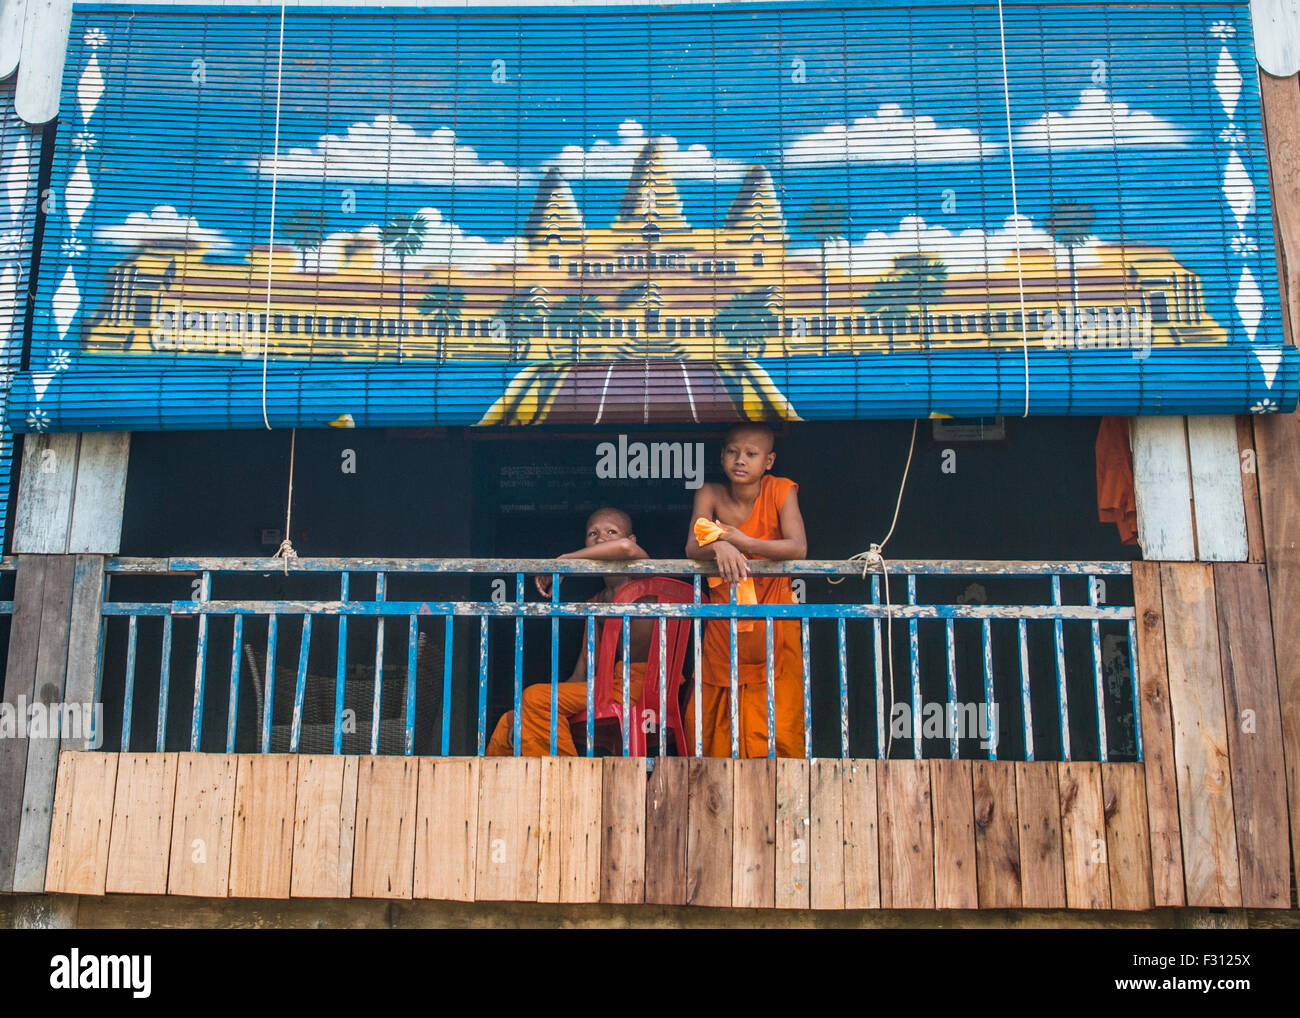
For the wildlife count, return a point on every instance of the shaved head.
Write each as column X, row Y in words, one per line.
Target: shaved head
column 760, row 434
column 620, row 518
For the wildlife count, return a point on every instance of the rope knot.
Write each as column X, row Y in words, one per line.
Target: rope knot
column 286, row 552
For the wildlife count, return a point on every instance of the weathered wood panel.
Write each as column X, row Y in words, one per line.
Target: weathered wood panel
column 202, row 825
column 40, row 64
column 1158, row 738
column 569, row 830
column 753, row 842
column 1254, row 722
column 906, row 834
column 1038, row 812
column 826, row 847
column 140, row 844
column 1083, row 836
column 261, row 844
column 1128, row 851
column 667, row 797
column 1276, row 37
column 997, row 841
column 709, row 824
column 508, row 808
column 793, row 828
column 1220, row 509
column 43, row 512
column 623, row 827
column 954, row 834
column 1250, row 488
column 446, row 834
column 384, row 860
column 1200, row 737
column 325, row 814
column 83, row 822
column 83, row 646
column 1162, row 486
column 861, row 836
column 96, row 526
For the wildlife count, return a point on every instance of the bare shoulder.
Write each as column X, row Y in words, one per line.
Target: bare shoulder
column 708, row 497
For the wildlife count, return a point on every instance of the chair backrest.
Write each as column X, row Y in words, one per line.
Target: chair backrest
column 663, row 591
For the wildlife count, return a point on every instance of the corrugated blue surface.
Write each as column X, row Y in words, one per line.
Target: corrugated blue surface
column 656, row 214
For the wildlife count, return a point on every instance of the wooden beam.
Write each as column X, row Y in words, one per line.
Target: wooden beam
column 753, row 842
column 446, row 833
column 793, row 827
column 906, row 834
column 1250, row 488
column 623, row 830
column 997, row 841
column 383, row 864
column 666, row 799
column 202, row 825
column 324, row 827
column 261, row 846
column 43, row 513
column 83, row 821
column 1162, row 484
column 570, row 829
column 827, row 841
column 509, row 804
column 139, row 850
column 861, row 835
column 709, row 823
column 82, row 681
column 955, row 883
column 1038, row 811
column 1216, row 488
column 1083, row 836
column 99, row 493
column 1128, row 848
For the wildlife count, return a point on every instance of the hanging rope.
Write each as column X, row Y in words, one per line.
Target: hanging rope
column 270, row 241
column 1015, row 206
column 285, row 551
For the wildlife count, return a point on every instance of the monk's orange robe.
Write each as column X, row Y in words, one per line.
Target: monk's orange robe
column 764, row 523
column 535, row 723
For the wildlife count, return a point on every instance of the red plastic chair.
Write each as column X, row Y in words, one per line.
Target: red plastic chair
column 610, row 717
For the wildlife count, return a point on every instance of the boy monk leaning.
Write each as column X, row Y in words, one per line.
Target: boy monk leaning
column 609, row 539
column 758, row 516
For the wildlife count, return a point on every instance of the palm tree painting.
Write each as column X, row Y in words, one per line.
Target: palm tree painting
column 746, row 321
column 913, row 284
column 307, row 232
column 827, row 221
column 520, row 312
column 441, row 305
column 404, row 235
column 576, row 314
column 1070, row 223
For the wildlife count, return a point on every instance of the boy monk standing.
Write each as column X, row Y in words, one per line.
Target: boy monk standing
column 759, row 517
column 609, row 539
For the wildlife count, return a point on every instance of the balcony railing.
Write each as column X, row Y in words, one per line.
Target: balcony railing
column 1043, row 653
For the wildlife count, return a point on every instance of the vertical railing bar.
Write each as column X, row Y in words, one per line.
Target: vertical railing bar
column 1103, row 742
column 482, row 683
column 914, row 657
column 449, row 633
column 591, row 685
column 200, row 665
column 950, row 645
column 663, row 684
column 412, row 656
column 844, row 686
column 376, row 703
column 236, row 650
column 1024, row 691
column 1062, row 695
column 987, row 636
column 519, row 668
column 880, row 673
column 807, row 687
column 555, row 666
column 698, row 701
column 128, row 701
column 268, row 680
column 164, row 681
column 1137, row 689
column 629, row 713
column 300, row 688
column 340, row 672
column 96, row 736
column 771, row 689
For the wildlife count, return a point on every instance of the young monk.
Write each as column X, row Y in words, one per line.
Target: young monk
column 759, row 517
column 609, row 539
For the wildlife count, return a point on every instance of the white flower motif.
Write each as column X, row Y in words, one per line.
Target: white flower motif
column 1232, row 136
column 38, row 420
column 1264, row 406
column 96, row 37
column 60, row 360
column 84, row 141
column 73, row 248
column 1244, row 245
column 1223, row 30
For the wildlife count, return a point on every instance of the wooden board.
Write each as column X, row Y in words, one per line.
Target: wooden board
column 83, row 645
column 1083, row 837
column 1038, row 814
column 100, row 490
column 43, row 511
column 325, row 813
column 623, row 838
column 1220, row 508
column 569, row 829
column 1158, row 738
column 1276, row 37
column 861, row 836
column 83, row 821
column 140, row 846
column 1254, row 723
column 667, row 796
column 384, row 861
column 202, row 824
column 826, row 847
column 1250, row 488
column 906, row 834
column 954, row 834
column 709, row 826
column 1200, row 737
column 793, row 828
column 1162, row 484
column 45, row 45
column 446, row 832
column 509, row 802
column 753, row 843
column 261, row 844
column 1128, row 852
column 997, row 840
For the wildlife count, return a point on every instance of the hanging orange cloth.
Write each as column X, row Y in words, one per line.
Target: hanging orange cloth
column 706, row 532
column 1116, row 502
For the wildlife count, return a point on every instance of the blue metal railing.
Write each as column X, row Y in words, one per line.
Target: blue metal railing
column 861, row 667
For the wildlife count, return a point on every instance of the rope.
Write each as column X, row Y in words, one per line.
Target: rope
column 270, row 242
column 285, row 551
column 1015, row 206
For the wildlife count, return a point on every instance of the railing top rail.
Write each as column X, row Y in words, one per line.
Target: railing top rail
column 660, row 567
